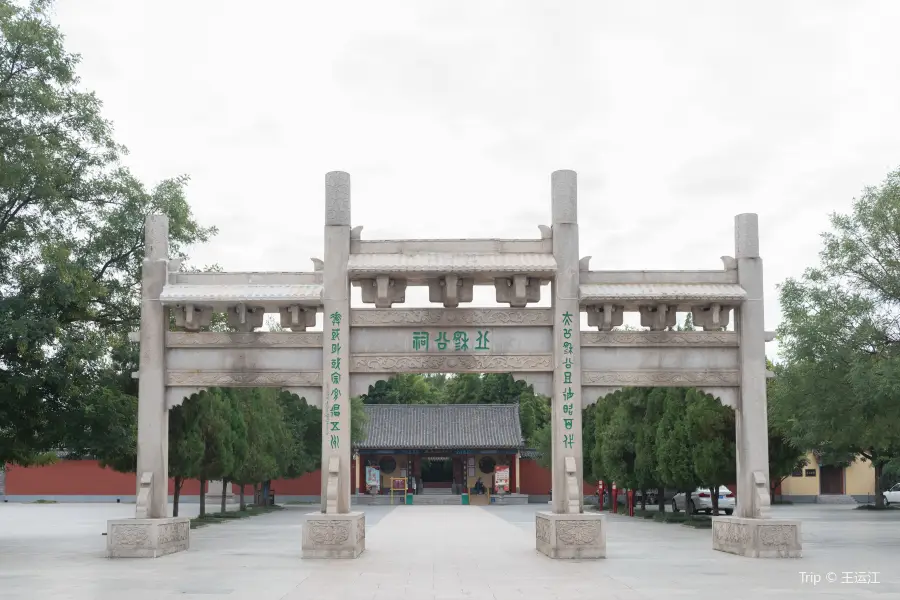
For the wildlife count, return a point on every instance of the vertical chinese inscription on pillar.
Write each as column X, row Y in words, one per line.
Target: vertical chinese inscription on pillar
column 333, row 396
column 569, row 401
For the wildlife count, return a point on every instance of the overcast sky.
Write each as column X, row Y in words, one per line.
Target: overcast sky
column 450, row 117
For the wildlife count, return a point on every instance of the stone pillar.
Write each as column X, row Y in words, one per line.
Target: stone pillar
column 566, row 401
column 336, row 347
column 752, row 433
column 567, row 531
column 153, row 417
column 750, row 532
column 335, row 532
column 153, row 533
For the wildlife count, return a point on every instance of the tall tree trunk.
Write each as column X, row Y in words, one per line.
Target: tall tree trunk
column 643, row 499
column 177, row 495
column 879, row 494
column 243, row 505
column 661, row 499
column 224, row 492
column 203, row 496
column 687, row 504
column 714, row 496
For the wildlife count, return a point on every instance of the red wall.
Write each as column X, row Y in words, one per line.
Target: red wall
column 87, row 478
column 79, row 478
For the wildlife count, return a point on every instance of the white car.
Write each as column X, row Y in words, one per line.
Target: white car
column 892, row 495
column 702, row 501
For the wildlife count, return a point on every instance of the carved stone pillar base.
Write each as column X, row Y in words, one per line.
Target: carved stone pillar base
column 334, row 535
column 757, row 538
column 147, row 538
column 571, row 536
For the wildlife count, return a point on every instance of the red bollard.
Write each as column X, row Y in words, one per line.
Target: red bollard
column 630, row 503
column 615, row 499
column 600, row 490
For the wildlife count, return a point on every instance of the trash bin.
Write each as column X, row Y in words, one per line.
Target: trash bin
column 465, row 498
column 409, row 498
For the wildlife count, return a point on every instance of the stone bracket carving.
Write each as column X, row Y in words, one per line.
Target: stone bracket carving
column 332, row 485
column 761, row 500
column 605, row 317
column 383, row 291
column 297, row 318
column 142, row 506
column 711, row 318
column 658, row 318
column 451, row 290
column 573, row 504
column 518, row 290
column 440, row 317
column 192, row 317
column 245, row 318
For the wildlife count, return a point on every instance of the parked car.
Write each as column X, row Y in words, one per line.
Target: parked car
column 892, row 495
column 701, row 501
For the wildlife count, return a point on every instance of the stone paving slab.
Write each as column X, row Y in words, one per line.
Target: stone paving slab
column 432, row 553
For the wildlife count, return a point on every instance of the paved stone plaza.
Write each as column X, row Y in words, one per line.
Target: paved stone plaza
column 58, row 552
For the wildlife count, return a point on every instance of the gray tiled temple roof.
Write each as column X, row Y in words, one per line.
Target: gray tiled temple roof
column 441, row 426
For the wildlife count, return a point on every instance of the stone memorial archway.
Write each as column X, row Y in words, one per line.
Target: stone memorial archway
column 546, row 347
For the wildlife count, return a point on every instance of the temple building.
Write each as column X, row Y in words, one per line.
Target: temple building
column 441, row 448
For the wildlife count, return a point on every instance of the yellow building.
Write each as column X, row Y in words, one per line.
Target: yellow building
column 817, row 483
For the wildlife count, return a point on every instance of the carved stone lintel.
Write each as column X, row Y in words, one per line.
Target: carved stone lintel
column 571, row 536
column 717, row 378
column 211, row 339
column 757, row 538
column 449, row 363
column 650, row 339
column 147, row 538
column 450, row 318
column 605, row 316
column 142, row 505
column 243, row 378
column 451, row 290
column 518, row 290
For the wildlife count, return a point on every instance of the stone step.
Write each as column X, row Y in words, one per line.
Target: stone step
column 836, row 499
column 436, row 492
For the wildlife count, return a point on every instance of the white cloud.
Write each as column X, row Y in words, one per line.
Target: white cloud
column 450, row 117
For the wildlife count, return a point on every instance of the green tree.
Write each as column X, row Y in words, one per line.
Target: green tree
column 211, row 414
column 185, row 450
column 837, row 388
column 710, row 427
column 71, row 246
column 674, row 450
column 268, row 443
column 235, row 401
column 646, row 461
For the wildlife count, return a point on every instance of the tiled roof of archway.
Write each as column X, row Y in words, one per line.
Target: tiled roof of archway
column 441, row 426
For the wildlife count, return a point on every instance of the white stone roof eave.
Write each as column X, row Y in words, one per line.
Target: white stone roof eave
column 265, row 295
column 724, row 293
